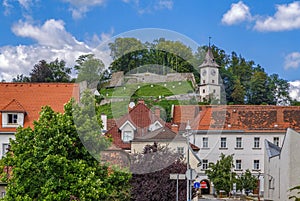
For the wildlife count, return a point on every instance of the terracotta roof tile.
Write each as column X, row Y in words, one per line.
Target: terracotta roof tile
column 30, row 97
column 254, row 118
column 139, row 116
column 13, row 106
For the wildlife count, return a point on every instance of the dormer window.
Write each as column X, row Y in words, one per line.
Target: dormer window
column 12, row 118
column 127, row 131
column 127, row 136
column 156, row 125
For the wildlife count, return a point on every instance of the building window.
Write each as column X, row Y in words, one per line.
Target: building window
column 205, row 142
column 12, row 118
column 213, row 81
column 5, row 148
column 238, row 164
column 256, row 165
column 180, row 150
column 203, row 91
column 223, row 142
column 238, row 143
column 276, row 141
column 256, row 142
column 203, row 81
column 214, row 91
column 127, row 136
column 204, row 164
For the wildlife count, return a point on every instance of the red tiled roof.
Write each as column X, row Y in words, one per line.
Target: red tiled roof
column 139, row 116
column 13, row 106
column 30, row 97
column 243, row 117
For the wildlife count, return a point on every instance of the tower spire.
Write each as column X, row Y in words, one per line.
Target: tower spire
column 209, row 38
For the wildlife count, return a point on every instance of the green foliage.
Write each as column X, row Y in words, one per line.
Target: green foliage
column 130, row 54
column 246, row 181
column 89, row 69
column 220, row 173
column 51, row 163
column 55, row 71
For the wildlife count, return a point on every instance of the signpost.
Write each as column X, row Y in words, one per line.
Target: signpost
column 177, row 177
column 196, row 185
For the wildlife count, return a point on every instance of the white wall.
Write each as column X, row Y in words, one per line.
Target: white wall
column 247, row 154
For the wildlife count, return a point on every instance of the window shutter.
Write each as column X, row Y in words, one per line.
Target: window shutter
column 4, row 119
column 21, row 119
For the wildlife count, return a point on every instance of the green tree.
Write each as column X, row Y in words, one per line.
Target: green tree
column 258, row 91
column 246, row 181
column 41, row 72
column 220, row 173
column 89, row 69
column 50, row 162
column 279, row 90
column 238, row 94
column 21, row 78
column 55, row 71
column 60, row 73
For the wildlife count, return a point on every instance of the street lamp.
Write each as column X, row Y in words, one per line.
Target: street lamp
column 187, row 135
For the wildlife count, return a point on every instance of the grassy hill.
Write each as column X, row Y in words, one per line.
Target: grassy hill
column 152, row 94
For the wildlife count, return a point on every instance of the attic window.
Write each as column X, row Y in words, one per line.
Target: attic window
column 12, row 118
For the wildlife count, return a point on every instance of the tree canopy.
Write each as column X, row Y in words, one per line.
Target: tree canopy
column 151, row 174
column 244, row 81
column 220, row 173
column 49, row 162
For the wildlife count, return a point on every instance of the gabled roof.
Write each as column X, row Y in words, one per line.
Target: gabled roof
column 141, row 117
column 271, row 149
column 13, row 106
column 30, row 97
column 163, row 134
column 246, row 118
column 209, row 60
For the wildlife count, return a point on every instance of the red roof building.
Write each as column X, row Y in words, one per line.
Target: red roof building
column 21, row 103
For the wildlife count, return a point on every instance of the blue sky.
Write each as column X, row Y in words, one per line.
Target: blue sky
column 263, row 31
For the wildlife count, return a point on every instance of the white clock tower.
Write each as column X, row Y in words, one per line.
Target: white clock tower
column 209, row 73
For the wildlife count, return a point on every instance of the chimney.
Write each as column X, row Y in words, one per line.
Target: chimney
column 141, row 101
column 175, row 128
column 104, row 123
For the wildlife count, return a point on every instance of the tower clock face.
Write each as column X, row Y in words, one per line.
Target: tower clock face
column 213, row 71
column 203, row 72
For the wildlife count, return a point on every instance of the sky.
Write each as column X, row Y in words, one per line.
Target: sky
column 266, row 32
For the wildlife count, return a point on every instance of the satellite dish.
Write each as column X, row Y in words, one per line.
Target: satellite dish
column 131, row 105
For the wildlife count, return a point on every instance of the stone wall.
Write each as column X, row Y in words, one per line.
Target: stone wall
column 119, row 78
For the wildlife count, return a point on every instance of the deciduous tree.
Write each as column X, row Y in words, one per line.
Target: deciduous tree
column 49, row 162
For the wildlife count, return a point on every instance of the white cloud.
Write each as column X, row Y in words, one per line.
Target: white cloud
column 80, row 7
column 238, row 12
column 164, row 4
column 292, row 60
column 287, row 17
column 53, row 41
column 150, row 6
column 295, row 90
column 24, row 4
